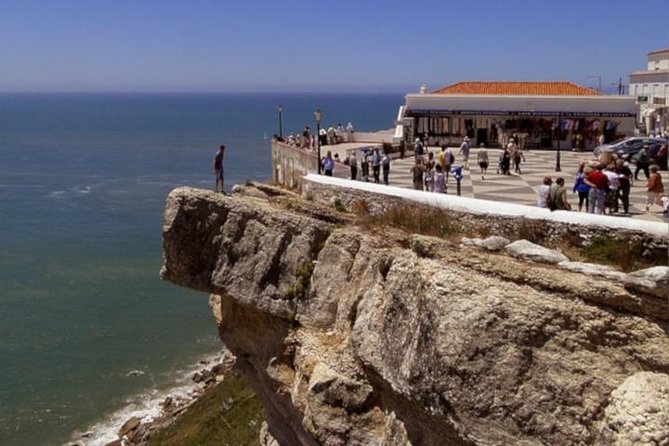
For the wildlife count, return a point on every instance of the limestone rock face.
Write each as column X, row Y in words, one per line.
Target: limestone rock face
column 638, row 412
column 492, row 243
column 353, row 336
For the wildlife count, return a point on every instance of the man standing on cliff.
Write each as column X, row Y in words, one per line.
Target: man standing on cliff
column 218, row 168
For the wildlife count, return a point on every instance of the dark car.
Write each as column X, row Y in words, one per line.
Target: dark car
column 628, row 147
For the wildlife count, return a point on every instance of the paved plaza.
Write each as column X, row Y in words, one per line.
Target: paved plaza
column 522, row 189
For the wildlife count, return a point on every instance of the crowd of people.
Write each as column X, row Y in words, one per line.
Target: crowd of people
column 379, row 163
column 331, row 135
column 603, row 188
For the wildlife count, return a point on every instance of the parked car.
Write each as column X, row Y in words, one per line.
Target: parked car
column 624, row 145
column 628, row 147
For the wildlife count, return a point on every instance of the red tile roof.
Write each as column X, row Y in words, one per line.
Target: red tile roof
column 560, row 88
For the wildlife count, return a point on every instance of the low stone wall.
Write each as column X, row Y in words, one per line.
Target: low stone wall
column 651, row 238
column 290, row 165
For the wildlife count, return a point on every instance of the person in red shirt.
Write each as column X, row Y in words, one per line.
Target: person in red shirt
column 599, row 184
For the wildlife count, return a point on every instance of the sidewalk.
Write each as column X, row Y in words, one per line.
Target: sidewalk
column 522, row 189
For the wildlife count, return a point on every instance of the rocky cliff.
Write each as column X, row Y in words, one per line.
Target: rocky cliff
column 361, row 336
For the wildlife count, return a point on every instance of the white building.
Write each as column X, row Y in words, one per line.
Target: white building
column 650, row 88
column 537, row 114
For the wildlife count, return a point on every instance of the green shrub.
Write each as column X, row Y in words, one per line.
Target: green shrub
column 300, row 288
column 609, row 250
column 417, row 220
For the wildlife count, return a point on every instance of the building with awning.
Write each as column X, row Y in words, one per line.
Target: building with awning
column 537, row 114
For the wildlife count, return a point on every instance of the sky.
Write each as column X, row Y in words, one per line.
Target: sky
column 320, row 46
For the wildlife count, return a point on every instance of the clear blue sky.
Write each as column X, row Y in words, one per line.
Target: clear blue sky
column 286, row 45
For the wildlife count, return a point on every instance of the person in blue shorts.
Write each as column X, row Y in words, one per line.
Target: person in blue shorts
column 218, row 168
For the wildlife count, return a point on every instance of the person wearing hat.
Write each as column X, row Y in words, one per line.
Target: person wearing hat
column 464, row 151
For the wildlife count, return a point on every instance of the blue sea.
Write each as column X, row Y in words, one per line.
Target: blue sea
column 83, row 181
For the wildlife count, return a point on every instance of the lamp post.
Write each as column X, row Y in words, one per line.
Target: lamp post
column 280, row 110
column 318, row 115
column 557, row 155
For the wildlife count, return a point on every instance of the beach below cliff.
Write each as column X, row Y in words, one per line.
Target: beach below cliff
column 208, row 403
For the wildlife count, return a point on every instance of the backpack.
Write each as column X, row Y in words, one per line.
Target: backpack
column 550, row 200
column 451, row 158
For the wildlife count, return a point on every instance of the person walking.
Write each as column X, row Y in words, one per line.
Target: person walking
column 642, row 161
column 441, row 157
column 599, row 183
column 417, row 172
column 654, row 187
column 482, row 158
column 364, row 162
column 557, row 196
column 353, row 165
column 624, row 176
column 376, row 165
column 328, row 164
column 612, row 192
column 581, row 187
column 418, row 149
column 449, row 159
column 440, row 181
column 464, row 151
column 517, row 157
column 349, row 132
column 512, row 146
column 385, row 166
column 542, row 193
column 505, row 162
column 429, row 177
column 218, row 169
column 306, row 135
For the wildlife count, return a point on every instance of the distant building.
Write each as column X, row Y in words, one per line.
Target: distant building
column 650, row 88
column 537, row 114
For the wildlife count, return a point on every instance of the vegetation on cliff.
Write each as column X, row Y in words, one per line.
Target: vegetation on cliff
column 227, row 414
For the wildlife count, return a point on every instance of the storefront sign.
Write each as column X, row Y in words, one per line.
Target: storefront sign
column 642, row 99
column 518, row 113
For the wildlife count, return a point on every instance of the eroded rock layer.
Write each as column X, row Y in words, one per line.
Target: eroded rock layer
column 375, row 337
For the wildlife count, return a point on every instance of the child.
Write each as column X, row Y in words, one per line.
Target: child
column 440, row 181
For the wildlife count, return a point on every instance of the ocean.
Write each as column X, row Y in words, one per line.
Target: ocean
column 83, row 181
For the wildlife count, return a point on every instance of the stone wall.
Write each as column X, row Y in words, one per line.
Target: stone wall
column 290, row 165
column 484, row 224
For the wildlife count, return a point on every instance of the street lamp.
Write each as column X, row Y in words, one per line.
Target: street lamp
column 318, row 115
column 559, row 134
column 280, row 110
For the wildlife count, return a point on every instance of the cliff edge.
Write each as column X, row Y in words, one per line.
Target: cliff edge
column 360, row 336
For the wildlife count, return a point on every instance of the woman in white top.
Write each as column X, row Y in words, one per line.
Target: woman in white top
column 543, row 192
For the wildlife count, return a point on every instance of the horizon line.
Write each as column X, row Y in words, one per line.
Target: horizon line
column 260, row 91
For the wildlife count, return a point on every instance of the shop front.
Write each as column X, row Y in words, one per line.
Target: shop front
column 535, row 121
